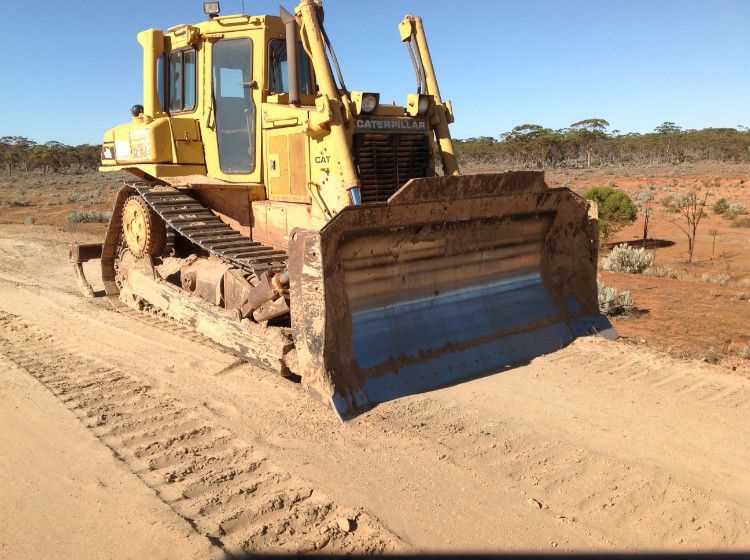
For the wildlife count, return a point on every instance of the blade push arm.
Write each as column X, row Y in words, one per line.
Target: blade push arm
column 332, row 102
column 412, row 33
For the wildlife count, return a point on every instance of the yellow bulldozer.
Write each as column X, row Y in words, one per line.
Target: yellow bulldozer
column 323, row 234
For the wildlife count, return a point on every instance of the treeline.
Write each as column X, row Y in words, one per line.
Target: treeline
column 586, row 143
column 589, row 143
column 19, row 154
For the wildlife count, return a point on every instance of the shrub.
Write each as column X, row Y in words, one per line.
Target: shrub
column 624, row 258
column 18, row 202
column 643, row 197
column 616, row 209
column 669, row 204
column 722, row 279
column 612, row 302
column 661, row 272
column 729, row 208
column 712, row 356
column 89, row 217
column 75, row 196
column 742, row 222
column 733, row 210
column 720, row 206
column 736, row 208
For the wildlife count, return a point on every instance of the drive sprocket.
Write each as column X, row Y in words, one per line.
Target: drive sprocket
column 143, row 229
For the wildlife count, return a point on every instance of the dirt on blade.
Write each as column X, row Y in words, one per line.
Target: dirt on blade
column 599, row 446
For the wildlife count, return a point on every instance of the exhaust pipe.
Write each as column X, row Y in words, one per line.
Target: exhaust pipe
column 290, row 23
column 152, row 41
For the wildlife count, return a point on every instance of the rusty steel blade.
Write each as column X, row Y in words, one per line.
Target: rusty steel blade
column 452, row 278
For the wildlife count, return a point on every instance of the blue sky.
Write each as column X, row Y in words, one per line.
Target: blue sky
column 68, row 76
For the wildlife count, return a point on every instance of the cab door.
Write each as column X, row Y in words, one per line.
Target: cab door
column 235, row 102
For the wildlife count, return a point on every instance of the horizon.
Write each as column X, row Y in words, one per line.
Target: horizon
column 498, row 138
column 635, row 64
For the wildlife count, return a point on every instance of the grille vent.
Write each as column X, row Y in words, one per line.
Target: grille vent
column 385, row 162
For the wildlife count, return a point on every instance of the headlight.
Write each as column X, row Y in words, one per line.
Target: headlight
column 369, row 102
column 365, row 102
column 107, row 153
column 211, row 9
column 417, row 105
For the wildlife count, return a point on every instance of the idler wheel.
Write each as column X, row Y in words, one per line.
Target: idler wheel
column 143, row 229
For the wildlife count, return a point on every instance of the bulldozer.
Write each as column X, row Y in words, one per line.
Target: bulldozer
column 325, row 235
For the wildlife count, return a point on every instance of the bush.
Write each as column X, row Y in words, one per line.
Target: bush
column 75, row 196
column 624, row 258
column 661, row 272
column 613, row 203
column 742, row 222
column 18, row 202
column 612, row 302
column 729, row 208
column 89, row 217
column 712, row 356
column 720, row 206
column 616, row 209
column 722, row 279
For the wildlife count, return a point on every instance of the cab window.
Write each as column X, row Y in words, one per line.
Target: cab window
column 279, row 72
column 182, row 81
column 233, row 104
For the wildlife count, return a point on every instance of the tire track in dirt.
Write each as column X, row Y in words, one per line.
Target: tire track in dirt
column 225, row 488
column 660, row 496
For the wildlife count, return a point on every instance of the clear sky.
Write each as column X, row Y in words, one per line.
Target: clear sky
column 71, row 69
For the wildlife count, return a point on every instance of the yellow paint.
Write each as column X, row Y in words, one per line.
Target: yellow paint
column 134, row 227
column 314, row 165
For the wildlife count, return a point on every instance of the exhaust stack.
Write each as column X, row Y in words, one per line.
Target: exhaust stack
column 290, row 24
column 152, row 41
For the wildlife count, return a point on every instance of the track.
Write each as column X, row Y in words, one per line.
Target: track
column 223, row 487
column 199, row 225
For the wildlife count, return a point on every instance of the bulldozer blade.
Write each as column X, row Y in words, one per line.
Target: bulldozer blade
column 452, row 278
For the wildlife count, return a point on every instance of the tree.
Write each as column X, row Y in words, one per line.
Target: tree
column 668, row 127
column 590, row 131
column 616, row 210
column 643, row 200
column 690, row 207
column 533, row 145
column 15, row 152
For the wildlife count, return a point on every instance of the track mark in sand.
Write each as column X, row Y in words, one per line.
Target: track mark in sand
column 225, row 488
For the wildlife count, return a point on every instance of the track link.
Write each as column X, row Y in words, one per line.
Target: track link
column 199, row 225
column 225, row 488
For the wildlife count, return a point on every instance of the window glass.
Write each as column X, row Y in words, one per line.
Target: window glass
column 182, row 79
column 231, row 80
column 234, row 107
column 188, row 63
column 161, row 82
column 279, row 72
column 175, row 75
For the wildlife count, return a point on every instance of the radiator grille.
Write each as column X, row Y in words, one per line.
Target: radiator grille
column 385, row 162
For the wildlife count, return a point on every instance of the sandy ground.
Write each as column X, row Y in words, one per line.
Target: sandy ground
column 601, row 446
column 66, row 496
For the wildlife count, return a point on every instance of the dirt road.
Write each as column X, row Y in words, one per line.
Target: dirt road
column 601, row 446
